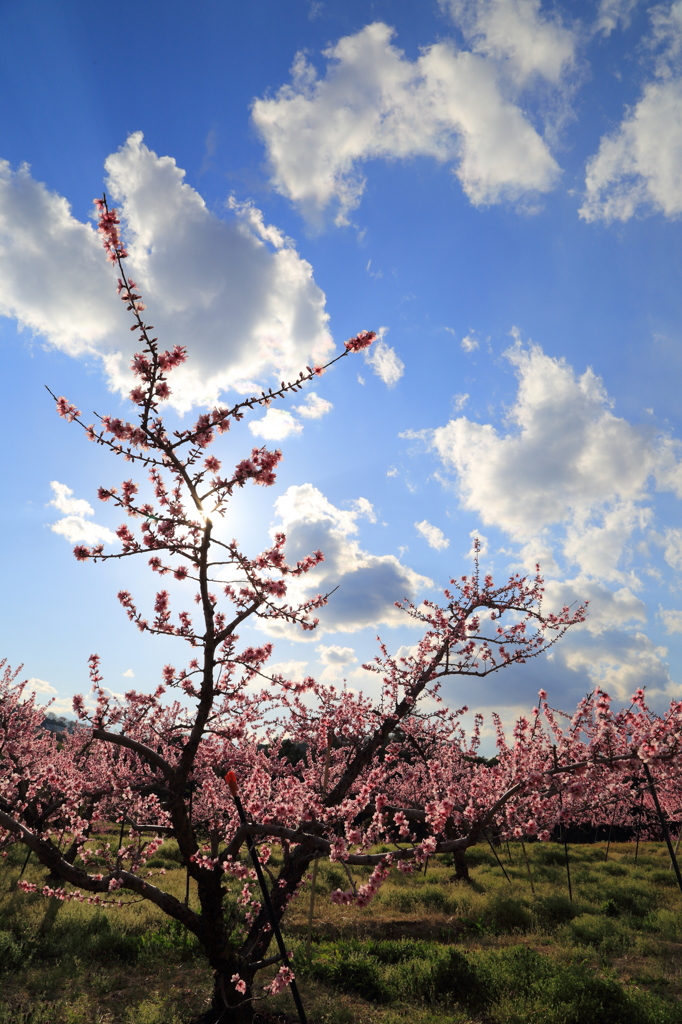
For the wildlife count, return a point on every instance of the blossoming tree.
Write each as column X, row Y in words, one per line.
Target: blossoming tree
column 157, row 762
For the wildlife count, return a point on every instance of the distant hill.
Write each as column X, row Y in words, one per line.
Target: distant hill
column 58, row 724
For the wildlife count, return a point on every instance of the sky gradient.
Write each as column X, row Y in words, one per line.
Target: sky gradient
column 493, row 186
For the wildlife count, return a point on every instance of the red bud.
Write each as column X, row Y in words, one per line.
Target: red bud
column 231, row 780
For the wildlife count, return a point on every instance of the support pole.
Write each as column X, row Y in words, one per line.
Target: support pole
column 497, row 858
column 525, row 857
column 608, row 845
column 664, row 824
column 563, row 836
column 639, row 824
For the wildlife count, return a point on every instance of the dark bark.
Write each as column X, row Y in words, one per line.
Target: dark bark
column 459, row 857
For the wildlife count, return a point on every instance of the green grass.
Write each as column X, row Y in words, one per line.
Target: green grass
column 428, row 949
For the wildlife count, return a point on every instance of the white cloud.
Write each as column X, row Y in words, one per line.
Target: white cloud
column 79, row 531
column 672, row 550
column 40, row 686
column 275, row 425
column 335, row 655
column 375, row 103
column 128, row 674
column 384, row 361
column 363, row 507
column 314, row 407
column 639, row 166
column 671, row 619
column 482, row 551
column 460, row 400
column 368, row 585
column 234, row 290
column 612, row 14
column 469, row 343
column 620, row 662
column 517, row 34
column 567, row 477
column 74, row 526
column 65, row 502
column 597, row 547
column 608, row 609
column 292, row 669
column 564, row 455
column 434, row 537
column 666, row 36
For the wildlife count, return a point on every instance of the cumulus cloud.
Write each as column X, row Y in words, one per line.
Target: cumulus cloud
column 672, row 547
column 373, row 103
column 40, row 686
column 565, row 458
column 384, row 361
column 335, row 655
column 671, row 619
column 291, row 669
column 234, row 290
column 638, row 167
column 613, row 14
column 65, row 502
column 469, row 343
column 434, row 537
column 608, row 609
column 516, row 33
column 620, row 662
column 368, row 584
column 74, row 526
column 335, row 660
column 597, row 545
column 314, row 407
column 275, row 425
column 571, row 484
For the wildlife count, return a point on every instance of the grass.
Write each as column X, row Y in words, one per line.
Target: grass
column 428, row 949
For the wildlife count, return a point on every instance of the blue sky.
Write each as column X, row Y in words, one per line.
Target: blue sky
column 495, row 186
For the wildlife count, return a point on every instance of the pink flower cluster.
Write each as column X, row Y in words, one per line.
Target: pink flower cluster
column 107, row 226
column 284, row 977
column 362, row 340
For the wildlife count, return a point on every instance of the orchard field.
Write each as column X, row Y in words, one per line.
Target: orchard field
column 426, row 950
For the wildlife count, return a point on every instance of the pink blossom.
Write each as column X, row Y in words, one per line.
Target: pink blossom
column 66, row 410
column 239, row 984
column 284, row 977
column 362, row 340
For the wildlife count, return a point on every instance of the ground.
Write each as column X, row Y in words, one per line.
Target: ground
column 428, row 949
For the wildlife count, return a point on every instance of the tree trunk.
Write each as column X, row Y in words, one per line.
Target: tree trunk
column 239, row 1009
column 461, row 866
